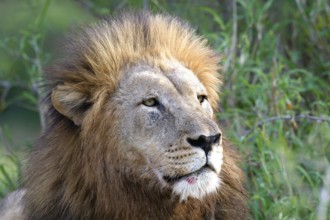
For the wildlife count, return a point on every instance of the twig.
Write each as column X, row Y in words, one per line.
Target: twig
column 6, row 87
column 232, row 50
column 324, row 197
column 312, row 32
column 145, row 5
column 288, row 118
column 37, row 62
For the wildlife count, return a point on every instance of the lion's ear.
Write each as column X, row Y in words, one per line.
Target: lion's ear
column 70, row 103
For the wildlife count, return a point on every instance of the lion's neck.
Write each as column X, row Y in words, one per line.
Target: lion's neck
column 128, row 201
column 142, row 201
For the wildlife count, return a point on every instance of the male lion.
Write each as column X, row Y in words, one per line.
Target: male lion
column 132, row 132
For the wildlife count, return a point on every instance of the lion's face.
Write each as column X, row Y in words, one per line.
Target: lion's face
column 166, row 118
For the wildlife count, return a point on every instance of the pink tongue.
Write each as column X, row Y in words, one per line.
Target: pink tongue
column 191, row 179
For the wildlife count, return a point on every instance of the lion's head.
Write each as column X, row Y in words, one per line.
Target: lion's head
column 167, row 130
column 132, row 125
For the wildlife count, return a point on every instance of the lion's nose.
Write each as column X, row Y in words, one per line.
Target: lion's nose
column 205, row 142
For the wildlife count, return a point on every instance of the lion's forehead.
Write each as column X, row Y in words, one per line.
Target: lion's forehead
column 184, row 80
column 175, row 78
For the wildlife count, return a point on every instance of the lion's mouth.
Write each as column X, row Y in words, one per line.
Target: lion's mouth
column 173, row 179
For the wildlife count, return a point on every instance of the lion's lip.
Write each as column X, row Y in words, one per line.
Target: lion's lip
column 173, row 179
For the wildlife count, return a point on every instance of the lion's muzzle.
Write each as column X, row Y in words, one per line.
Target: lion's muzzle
column 205, row 142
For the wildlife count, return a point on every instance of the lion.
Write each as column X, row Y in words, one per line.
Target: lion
column 132, row 131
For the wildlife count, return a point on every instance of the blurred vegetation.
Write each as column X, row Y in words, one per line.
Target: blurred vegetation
column 275, row 100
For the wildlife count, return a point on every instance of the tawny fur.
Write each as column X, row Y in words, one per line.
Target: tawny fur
column 76, row 173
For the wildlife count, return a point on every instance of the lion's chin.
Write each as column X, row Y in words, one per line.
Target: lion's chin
column 196, row 185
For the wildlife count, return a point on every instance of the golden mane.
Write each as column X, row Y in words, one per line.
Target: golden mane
column 106, row 49
column 68, row 175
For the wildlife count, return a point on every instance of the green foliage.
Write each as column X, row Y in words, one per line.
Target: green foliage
column 275, row 100
column 10, row 164
column 276, row 81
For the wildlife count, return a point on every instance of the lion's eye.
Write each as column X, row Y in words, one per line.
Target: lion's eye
column 150, row 102
column 201, row 98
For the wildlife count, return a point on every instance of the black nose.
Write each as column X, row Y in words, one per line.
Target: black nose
column 205, row 142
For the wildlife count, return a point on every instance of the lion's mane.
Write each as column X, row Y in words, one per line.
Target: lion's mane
column 69, row 174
